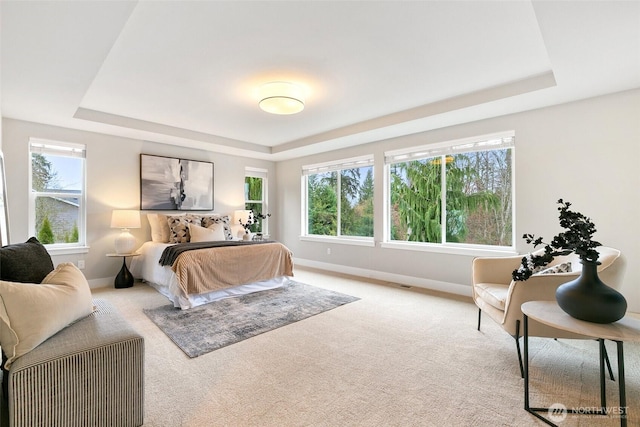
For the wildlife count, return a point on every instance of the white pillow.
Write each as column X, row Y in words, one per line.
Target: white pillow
column 213, row 233
column 159, row 227
column 30, row 313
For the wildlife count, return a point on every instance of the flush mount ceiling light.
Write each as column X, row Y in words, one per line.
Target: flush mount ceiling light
column 281, row 98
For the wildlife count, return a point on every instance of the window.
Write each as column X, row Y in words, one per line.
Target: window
column 255, row 196
column 460, row 192
column 57, row 198
column 339, row 198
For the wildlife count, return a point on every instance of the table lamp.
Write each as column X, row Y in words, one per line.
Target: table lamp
column 125, row 219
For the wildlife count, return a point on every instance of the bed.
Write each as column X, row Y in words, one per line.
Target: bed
column 200, row 272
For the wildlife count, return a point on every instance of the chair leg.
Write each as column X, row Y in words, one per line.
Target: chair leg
column 517, row 337
column 479, row 317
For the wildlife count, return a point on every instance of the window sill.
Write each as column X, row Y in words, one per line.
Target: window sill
column 364, row 241
column 450, row 249
column 67, row 250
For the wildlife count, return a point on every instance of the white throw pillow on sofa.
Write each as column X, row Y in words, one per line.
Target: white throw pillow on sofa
column 30, row 313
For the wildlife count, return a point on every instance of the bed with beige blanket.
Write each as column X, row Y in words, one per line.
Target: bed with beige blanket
column 201, row 275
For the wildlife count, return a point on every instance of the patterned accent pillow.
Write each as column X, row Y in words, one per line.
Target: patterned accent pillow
column 179, row 227
column 533, row 269
column 565, row 267
column 217, row 219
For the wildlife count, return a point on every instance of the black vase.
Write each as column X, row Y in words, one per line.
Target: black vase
column 588, row 298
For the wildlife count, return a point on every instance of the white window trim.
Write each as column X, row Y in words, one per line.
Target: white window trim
column 341, row 240
column 68, row 149
column 450, row 248
column 260, row 173
column 496, row 140
column 333, row 166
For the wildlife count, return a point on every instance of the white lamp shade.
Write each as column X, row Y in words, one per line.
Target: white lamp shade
column 125, row 219
column 281, row 98
column 241, row 216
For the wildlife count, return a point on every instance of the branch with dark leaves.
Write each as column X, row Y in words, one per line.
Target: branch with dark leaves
column 576, row 239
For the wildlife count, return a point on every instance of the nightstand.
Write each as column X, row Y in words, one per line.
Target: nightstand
column 124, row 279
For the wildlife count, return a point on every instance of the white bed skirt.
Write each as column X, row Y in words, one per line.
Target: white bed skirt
column 165, row 281
column 183, row 301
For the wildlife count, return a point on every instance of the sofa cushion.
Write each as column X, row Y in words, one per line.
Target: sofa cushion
column 27, row 262
column 494, row 294
column 30, row 313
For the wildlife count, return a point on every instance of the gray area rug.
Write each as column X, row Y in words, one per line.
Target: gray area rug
column 218, row 324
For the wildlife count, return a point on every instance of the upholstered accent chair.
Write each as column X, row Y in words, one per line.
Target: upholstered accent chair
column 500, row 297
column 89, row 374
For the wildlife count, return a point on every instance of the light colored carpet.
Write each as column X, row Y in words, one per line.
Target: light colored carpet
column 396, row 357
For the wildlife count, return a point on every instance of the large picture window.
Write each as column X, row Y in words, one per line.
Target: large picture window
column 459, row 192
column 339, row 198
column 57, row 197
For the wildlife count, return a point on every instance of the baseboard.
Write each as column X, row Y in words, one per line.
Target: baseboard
column 419, row 282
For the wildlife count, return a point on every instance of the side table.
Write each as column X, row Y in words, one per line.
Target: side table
column 550, row 314
column 124, row 279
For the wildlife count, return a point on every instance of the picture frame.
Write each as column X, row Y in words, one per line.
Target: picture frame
column 174, row 184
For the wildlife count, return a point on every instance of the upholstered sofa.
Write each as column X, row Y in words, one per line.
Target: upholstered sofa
column 68, row 360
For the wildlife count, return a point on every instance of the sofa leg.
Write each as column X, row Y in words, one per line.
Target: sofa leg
column 479, row 317
column 517, row 337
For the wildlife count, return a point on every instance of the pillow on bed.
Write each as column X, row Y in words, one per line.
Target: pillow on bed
column 213, row 233
column 179, row 227
column 30, row 313
column 27, row 262
column 159, row 228
column 209, row 220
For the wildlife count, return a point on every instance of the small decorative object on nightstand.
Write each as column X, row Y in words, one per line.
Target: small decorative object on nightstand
column 124, row 279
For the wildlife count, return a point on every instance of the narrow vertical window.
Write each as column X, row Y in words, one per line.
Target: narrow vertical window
column 255, row 198
column 57, row 198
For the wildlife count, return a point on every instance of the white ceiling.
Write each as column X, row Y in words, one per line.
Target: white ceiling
column 186, row 73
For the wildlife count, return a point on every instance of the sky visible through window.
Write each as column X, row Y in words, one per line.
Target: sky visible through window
column 68, row 171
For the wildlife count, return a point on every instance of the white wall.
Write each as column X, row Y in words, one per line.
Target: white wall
column 585, row 152
column 113, row 182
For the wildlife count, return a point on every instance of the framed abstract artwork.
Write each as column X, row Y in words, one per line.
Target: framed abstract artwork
column 167, row 183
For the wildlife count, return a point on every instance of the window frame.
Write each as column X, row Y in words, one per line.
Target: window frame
column 60, row 149
column 250, row 172
column 332, row 166
column 442, row 149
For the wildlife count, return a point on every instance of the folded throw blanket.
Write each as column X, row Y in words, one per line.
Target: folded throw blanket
column 171, row 253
